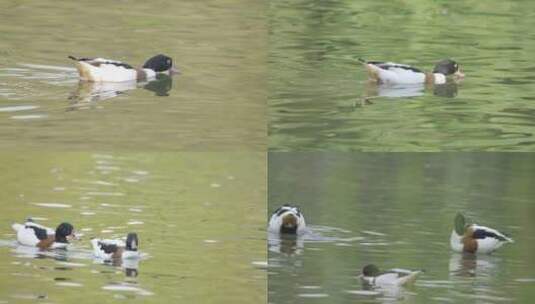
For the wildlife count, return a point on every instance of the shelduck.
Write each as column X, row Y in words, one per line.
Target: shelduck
column 112, row 249
column 35, row 235
column 395, row 73
column 287, row 220
column 473, row 238
column 106, row 70
column 371, row 276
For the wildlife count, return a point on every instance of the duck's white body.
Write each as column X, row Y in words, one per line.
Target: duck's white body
column 395, row 73
column 26, row 235
column 488, row 239
column 99, row 251
column 392, row 277
column 106, row 70
column 276, row 220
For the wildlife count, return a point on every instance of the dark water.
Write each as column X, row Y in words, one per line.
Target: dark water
column 396, row 210
column 318, row 92
column 199, row 231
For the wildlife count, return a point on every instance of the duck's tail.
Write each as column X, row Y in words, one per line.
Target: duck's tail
column 362, row 60
column 409, row 278
column 508, row 239
column 72, row 57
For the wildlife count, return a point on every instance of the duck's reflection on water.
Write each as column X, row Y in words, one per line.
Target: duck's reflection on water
column 58, row 254
column 130, row 267
column 471, row 265
column 87, row 94
column 286, row 244
column 372, row 90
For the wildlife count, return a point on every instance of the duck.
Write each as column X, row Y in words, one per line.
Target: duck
column 473, row 238
column 106, row 70
column 114, row 249
column 35, row 235
column 287, row 219
column 371, row 276
column 396, row 73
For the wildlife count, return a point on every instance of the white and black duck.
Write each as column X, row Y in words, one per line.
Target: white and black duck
column 473, row 238
column 113, row 249
column 396, row 73
column 287, row 220
column 35, row 235
column 106, row 70
column 371, row 276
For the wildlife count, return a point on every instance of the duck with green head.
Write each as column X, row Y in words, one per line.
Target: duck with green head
column 473, row 238
column 373, row 277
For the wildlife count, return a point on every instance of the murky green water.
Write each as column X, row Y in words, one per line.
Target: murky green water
column 199, row 216
column 217, row 103
column 316, row 85
column 396, row 210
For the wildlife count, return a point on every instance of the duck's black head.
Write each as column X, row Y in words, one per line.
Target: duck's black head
column 370, row 270
column 132, row 243
column 63, row 231
column 159, row 63
column 446, row 67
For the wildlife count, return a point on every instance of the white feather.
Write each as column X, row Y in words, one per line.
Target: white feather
column 484, row 246
column 490, row 244
column 395, row 277
column 26, row 236
column 456, row 242
column 275, row 221
column 99, row 253
column 106, row 72
column 439, row 78
column 150, row 74
column 398, row 75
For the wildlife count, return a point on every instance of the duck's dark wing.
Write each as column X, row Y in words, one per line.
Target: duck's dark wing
column 484, row 233
column 101, row 61
column 40, row 233
column 80, row 59
column 108, row 248
column 281, row 210
column 391, row 65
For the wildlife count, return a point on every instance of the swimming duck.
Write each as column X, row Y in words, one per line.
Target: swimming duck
column 116, row 249
column 395, row 73
column 371, row 276
column 473, row 238
column 105, row 70
column 287, row 220
column 35, row 235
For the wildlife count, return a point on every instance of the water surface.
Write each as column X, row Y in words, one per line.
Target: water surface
column 217, row 102
column 199, row 217
column 319, row 99
column 396, row 211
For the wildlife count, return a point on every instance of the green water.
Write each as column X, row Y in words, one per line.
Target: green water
column 217, row 103
column 317, row 88
column 396, row 210
column 199, row 217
